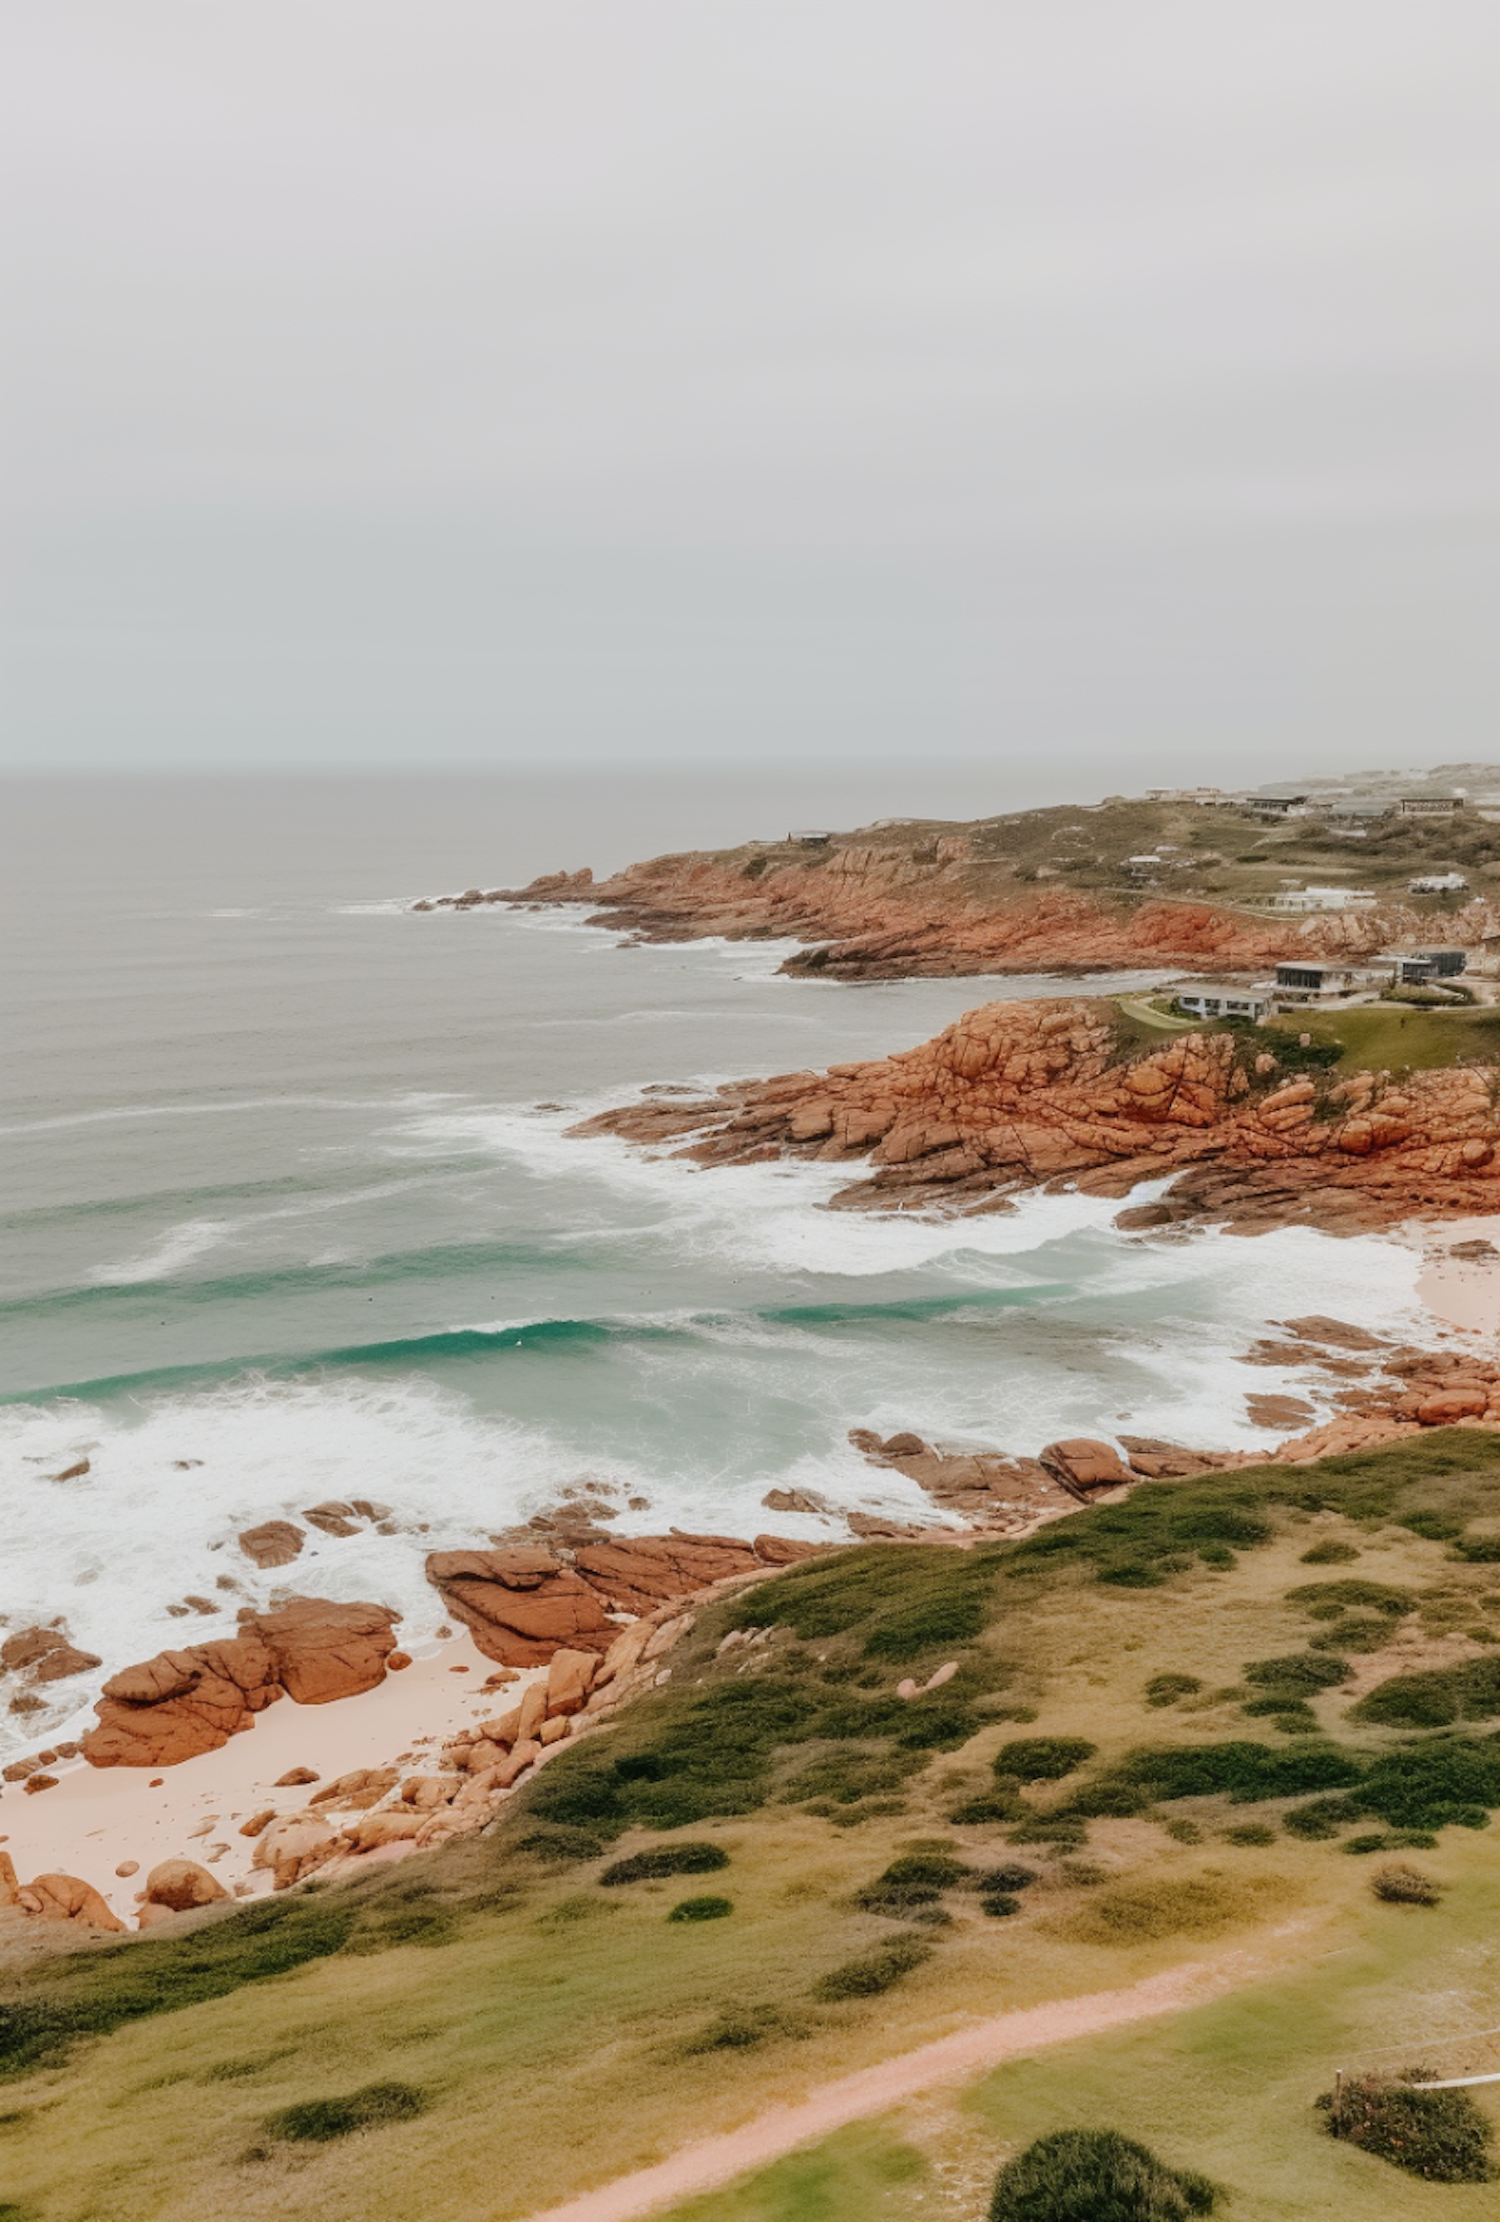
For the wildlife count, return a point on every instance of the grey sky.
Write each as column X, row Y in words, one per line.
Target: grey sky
column 470, row 382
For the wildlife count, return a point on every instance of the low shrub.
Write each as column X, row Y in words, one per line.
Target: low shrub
column 999, row 1804
column 1010, row 1877
column 1440, row 1782
column 1435, row 1699
column 701, row 1909
column 1168, row 1689
column 1478, row 1550
column 872, row 1972
column 318, row 2121
column 1400, row 1885
column 669, row 1859
column 1042, row 1758
column 1000, row 1904
column 741, row 2028
column 1069, row 1832
column 916, row 1879
column 1388, row 1840
column 1330, row 1600
column 1320, row 1819
column 1330, row 1553
column 1096, row 2175
column 1250, row 1832
column 1300, row 1674
column 1439, row 2135
column 1246, row 1772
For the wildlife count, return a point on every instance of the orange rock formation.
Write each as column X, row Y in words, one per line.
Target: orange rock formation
column 1020, row 1095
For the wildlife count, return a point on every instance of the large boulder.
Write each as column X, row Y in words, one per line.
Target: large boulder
column 180, row 1703
column 1085, row 1464
column 273, row 1543
column 321, row 1651
column 66, row 1898
column 638, row 1573
column 294, row 1847
column 520, row 1605
column 181, row 1884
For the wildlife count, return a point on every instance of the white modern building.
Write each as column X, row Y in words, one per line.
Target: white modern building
column 1222, row 999
column 1301, row 900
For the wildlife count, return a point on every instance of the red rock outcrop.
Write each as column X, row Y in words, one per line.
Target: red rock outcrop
column 45, row 1655
column 273, row 1543
column 641, row 1572
column 182, row 1703
column 1020, row 1095
column 181, row 1884
column 66, row 1898
column 520, row 1605
column 903, row 902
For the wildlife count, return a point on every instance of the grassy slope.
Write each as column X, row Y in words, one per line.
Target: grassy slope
column 1225, row 855
column 529, row 2002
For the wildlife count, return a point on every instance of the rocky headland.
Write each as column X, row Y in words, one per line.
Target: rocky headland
column 1017, row 1096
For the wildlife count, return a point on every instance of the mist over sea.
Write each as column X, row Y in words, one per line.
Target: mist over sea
column 290, row 1212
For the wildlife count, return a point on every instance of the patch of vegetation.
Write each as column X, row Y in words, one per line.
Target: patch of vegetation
column 872, row 1972
column 1439, row 2135
column 1331, row 1600
column 1142, row 1912
column 916, row 1879
column 1248, row 1773
column 743, row 2028
column 1300, row 1675
column 1003, row 1803
column 1168, row 1689
column 701, row 1909
column 91, row 1993
column 1042, row 1758
column 1400, row 1885
column 1330, row 1553
column 1436, row 1698
column 1096, row 2175
column 1250, row 1832
column 318, row 2121
column 669, row 1859
column 1320, row 1819
column 1442, row 1781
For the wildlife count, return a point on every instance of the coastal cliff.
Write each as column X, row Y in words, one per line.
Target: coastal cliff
column 1024, row 1095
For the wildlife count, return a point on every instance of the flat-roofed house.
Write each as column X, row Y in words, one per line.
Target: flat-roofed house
column 1223, row 999
column 1438, row 883
column 1277, row 802
column 1307, row 899
column 1305, row 980
column 1429, row 802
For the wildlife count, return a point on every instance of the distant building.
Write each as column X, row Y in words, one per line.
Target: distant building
column 1300, row 900
column 1438, row 883
column 1414, row 968
column 1429, row 802
column 1203, row 795
column 810, row 840
column 1277, row 802
column 1303, row 982
column 1219, row 999
column 1356, row 810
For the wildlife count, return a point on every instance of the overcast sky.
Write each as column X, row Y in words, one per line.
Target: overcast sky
column 465, row 382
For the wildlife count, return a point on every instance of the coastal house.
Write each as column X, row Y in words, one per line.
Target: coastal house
column 1305, row 981
column 1429, row 802
column 1438, row 883
column 1223, row 999
column 810, row 840
column 1416, row 968
column 1302, row 900
column 1355, row 812
column 1277, row 802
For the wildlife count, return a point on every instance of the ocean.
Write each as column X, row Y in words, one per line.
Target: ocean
column 291, row 1213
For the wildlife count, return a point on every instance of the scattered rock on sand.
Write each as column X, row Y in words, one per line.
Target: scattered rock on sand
column 1086, row 1464
column 295, row 1776
column 66, row 1898
column 182, row 1884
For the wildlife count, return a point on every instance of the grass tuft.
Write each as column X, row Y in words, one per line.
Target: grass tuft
column 319, row 2121
column 1096, row 2175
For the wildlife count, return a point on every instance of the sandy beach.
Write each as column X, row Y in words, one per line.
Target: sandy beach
column 98, row 1819
column 1463, row 1292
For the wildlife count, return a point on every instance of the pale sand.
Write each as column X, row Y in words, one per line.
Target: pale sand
column 98, row 1817
column 1464, row 1294
column 716, row 2161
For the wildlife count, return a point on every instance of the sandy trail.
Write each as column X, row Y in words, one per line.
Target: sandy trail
column 716, row 2161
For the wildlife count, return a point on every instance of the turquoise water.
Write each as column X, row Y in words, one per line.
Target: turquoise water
column 291, row 1212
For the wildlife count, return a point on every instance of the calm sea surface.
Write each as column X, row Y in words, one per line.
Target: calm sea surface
column 290, row 1212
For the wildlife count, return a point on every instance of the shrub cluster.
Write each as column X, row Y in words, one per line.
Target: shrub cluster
column 1096, row 2175
column 1042, row 1758
column 872, row 1972
column 1170, row 1689
column 1435, row 1699
column 1400, row 1885
column 668, row 1859
column 916, row 1879
column 701, row 1909
column 1441, row 2135
column 318, row 2121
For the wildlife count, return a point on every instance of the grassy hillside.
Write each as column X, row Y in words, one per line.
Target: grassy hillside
column 1148, row 1755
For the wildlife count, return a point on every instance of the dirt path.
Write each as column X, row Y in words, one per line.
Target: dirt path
column 715, row 2161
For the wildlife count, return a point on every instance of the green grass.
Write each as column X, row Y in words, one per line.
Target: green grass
column 500, row 1980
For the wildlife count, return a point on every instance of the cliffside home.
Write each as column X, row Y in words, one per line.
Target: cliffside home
column 1221, row 999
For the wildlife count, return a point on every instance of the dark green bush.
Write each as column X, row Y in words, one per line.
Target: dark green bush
column 1168, row 1689
column 1328, row 1600
column 1330, row 1554
column 1245, row 1772
column 92, row 1993
column 1250, row 1832
column 1321, row 1818
column 916, row 1879
column 1300, row 1674
column 317, row 2121
column 701, row 1909
column 1013, row 1876
column 1435, row 1699
column 999, row 1804
column 1000, row 1904
column 1478, row 1550
column 1439, row 2135
column 1442, row 1781
column 1042, row 1758
column 1435, row 1527
column 872, row 1972
column 1096, row 2175
column 668, row 1859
